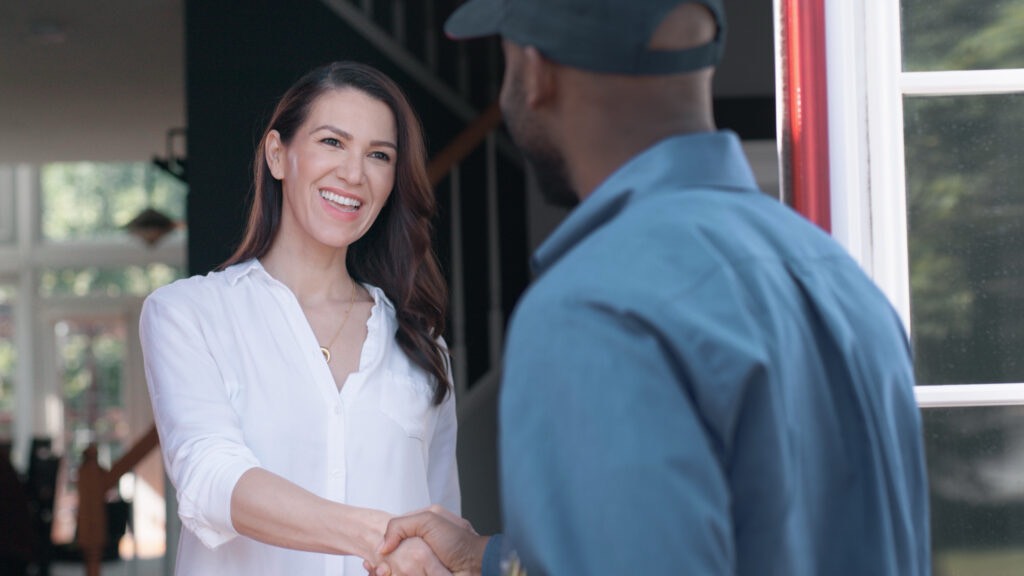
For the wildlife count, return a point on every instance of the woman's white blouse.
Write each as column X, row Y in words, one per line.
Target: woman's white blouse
column 237, row 380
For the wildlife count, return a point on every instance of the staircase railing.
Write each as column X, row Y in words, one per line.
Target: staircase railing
column 93, row 484
column 468, row 140
column 419, row 60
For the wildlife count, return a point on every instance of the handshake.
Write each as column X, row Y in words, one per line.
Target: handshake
column 432, row 542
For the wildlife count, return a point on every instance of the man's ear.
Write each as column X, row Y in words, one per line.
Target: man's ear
column 273, row 152
column 539, row 78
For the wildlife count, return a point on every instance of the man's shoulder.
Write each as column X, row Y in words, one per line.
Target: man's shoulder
column 667, row 252
column 680, row 235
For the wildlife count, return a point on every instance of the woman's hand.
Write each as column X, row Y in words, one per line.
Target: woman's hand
column 451, row 538
column 412, row 557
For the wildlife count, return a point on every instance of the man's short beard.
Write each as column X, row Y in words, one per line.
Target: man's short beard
column 552, row 177
column 541, row 154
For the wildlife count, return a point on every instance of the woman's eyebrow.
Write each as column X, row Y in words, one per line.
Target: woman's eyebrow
column 346, row 136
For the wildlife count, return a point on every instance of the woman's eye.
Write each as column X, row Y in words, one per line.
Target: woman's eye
column 380, row 156
column 331, row 141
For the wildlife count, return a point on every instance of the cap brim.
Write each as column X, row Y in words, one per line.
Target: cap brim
column 474, row 19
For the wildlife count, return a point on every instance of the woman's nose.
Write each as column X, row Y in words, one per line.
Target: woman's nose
column 350, row 168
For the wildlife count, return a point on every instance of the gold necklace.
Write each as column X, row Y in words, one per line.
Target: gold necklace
column 326, row 350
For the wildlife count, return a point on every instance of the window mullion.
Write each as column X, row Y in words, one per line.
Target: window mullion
column 847, row 129
column 887, row 175
column 955, row 395
column 962, row 82
column 25, row 424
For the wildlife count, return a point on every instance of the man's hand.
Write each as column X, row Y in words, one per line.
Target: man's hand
column 452, row 539
column 412, row 557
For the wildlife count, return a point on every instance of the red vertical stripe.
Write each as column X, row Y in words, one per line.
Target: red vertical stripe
column 807, row 108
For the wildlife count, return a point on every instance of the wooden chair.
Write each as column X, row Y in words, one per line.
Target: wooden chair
column 119, row 515
column 41, row 490
column 18, row 547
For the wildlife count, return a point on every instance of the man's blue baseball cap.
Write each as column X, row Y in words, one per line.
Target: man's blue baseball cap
column 609, row 36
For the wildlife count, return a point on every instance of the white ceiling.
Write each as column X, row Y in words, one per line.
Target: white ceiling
column 107, row 88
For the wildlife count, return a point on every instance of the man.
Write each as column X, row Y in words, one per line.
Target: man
column 699, row 381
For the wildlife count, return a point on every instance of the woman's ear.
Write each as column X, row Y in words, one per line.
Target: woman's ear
column 273, row 152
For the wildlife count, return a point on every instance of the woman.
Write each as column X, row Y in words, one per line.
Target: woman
column 303, row 389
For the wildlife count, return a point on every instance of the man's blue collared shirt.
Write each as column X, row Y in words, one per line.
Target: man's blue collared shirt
column 702, row 382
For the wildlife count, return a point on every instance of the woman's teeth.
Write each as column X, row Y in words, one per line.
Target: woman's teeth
column 342, row 201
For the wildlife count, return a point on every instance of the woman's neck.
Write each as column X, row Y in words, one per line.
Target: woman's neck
column 312, row 275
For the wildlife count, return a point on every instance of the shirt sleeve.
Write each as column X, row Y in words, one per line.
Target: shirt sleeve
column 443, row 473
column 607, row 468
column 492, row 564
column 200, row 436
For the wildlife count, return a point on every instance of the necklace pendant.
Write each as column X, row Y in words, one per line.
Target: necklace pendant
column 326, row 350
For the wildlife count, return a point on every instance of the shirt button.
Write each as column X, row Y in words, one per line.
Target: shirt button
column 337, row 474
column 337, row 409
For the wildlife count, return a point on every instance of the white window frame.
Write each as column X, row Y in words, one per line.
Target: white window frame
column 866, row 87
column 7, row 207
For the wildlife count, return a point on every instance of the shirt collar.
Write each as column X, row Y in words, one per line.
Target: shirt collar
column 234, row 273
column 702, row 160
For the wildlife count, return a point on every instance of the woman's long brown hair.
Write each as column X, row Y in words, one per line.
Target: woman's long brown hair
column 395, row 254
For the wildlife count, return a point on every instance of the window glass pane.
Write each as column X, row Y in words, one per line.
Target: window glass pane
column 962, row 34
column 90, row 359
column 976, row 474
column 965, row 209
column 7, row 361
column 87, row 200
column 92, row 280
column 90, row 367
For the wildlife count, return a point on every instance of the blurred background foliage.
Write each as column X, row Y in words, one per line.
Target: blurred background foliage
column 87, row 200
column 965, row 208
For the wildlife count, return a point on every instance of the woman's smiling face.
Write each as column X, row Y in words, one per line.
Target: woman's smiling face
column 339, row 169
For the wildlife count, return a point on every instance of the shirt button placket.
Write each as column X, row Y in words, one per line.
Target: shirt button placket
column 336, row 460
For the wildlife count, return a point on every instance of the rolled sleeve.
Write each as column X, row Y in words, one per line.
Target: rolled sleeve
column 206, row 512
column 494, row 552
column 200, row 435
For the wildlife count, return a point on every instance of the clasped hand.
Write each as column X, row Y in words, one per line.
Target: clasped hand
column 431, row 542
